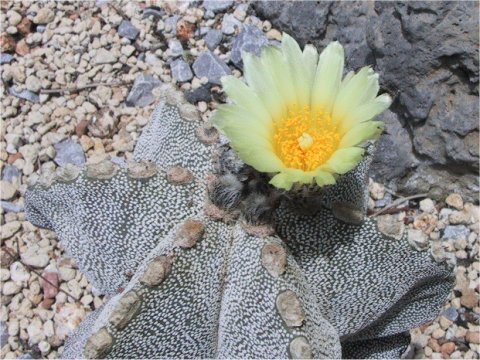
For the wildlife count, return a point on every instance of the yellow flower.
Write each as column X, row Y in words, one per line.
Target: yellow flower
column 297, row 118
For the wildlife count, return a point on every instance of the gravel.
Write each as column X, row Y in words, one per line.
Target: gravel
column 60, row 45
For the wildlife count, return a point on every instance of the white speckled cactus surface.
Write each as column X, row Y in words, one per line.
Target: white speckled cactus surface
column 204, row 259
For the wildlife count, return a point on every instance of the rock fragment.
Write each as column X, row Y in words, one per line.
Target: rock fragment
column 181, row 70
column 69, row 152
column 210, row 66
column 250, row 40
column 141, row 92
column 128, row 30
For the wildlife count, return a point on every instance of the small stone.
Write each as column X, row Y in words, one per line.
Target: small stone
column 176, row 48
column 178, row 175
column 447, row 348
column 455, row 201
column 250, row 40
column 127, row 30
column 50, row 285
column 8, row 206
column 469, row 298
column 274, row 34
column 202, row 93
column 103, row 123
column 125, row 310
column 5, row 58
column 290, row 309
column 210, row 66
column 10, row 288
column 171, row 24
column 69, row 152
column 428, row 206
column 33, row 83
column 102, row 171
column 460, row 217
column 10, row 173
column 391, row 226
column 18, row 273
column 451, row 314
column 44, row 347
column 417, row 239
column 104, row 56
column 14, row 18
column 7, row 43
column 213, row 39
column 181, row 70
column 438, row 333
column 189, row 233
column 185, row 30
column 128, row 50
column 98, row 344
column 274, row 259
column 44, row 16
column 377, row 191
column 24, row 94
column 25, row 26
column 35, row 257
column 473, row 337
column 10, row 229
column 217, row 5
column 7, row 190
column 455, row 232
column 300, row 348
column 230, row 24
column 141, row 92
column 157, row 271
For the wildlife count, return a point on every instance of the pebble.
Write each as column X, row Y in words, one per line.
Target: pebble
column 181, row 70
column 428, row 206
column 7, row 190
column 128, row 30
column 230, row 24
column 33, row 84
column 50, row 287
column 210, row 66
column 417, row 239
column 199, row 94
column 24, row 94
column 455, row 201
column 36, row 257
column 213, row 39
column 391, row 226
column 10, row 288
column 454, row 232
column 217, row 5
column 18, row 273
column 176, row 48
column 69, row 152
column 5, row 58
column 104, row 56
column 44, row 16
column 10, row 229
column 469, row 299
column 141, row 92
column 250, row 40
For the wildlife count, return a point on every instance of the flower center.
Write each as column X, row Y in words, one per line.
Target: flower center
column 305, row 141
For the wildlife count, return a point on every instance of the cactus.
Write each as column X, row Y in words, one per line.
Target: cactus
column 243, row 272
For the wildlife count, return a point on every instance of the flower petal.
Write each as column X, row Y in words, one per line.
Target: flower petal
column 323, row 178
column 328, row 77
column 261, row 81
column 293, row 55
column 310, row 61
column 352, row 93
column 343, row 160
column 361, row 132
column 245, row 97
column 281, row 181
column 365, row 112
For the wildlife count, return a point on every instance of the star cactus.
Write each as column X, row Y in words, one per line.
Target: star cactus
column 202, row 258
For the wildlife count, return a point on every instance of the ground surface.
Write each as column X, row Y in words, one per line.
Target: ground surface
column 55, row 55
